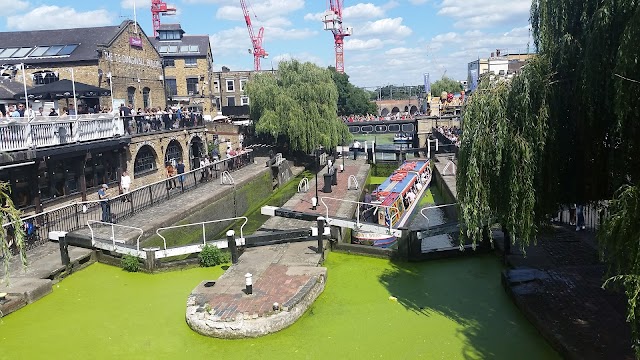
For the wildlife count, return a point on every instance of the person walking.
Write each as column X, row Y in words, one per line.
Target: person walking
column 104, row 203
column 125, row 184
column 180, row 169
column 171, row 172
column 580, row 217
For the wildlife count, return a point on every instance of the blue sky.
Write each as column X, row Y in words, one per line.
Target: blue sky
column 394, row 41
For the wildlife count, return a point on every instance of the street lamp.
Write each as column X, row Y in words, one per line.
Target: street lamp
column 342, row 154
column 317, row 160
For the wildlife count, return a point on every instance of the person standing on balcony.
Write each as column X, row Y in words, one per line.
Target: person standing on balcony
column 53, row 112
column 104, row 203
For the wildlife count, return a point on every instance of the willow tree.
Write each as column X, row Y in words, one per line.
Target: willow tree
column 503, row 143
column 11, row 230
column 298, row 105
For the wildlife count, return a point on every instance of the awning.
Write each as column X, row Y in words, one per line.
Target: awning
column 63, row 89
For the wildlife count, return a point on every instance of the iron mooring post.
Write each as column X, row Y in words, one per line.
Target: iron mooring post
column 320, row 234
column 64, row 250
column 231, row 241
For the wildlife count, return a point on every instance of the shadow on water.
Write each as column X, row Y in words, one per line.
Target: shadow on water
column 467, row 292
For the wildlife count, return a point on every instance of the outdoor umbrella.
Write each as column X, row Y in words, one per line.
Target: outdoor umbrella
column 63, row 89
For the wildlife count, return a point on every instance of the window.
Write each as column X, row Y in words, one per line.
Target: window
column 194, row 48
column 169, row 62
column 230, row 85
column 45, row 77
column 145, row 160
column 190, row 61
column 169, row 35
column 39, row 51
column 67, row 50
column 22, row 52
column 145, row 97
column 8, row 52
column 53, row 50
column 244, row 100
column 243, row 82
column 184, row 48
column 231, row 101
column 189, row 49
column 192, row 86
column 174, row 152
column 172, row 49
column 216, row 86
column 131, row 95
column 163, row 49
column 172, row 87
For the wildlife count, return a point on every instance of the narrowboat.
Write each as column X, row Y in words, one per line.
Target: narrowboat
column 393, row 202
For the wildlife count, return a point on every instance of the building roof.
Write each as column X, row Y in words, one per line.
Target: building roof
column 198, row 46
column 86, row 39
column 170, row 27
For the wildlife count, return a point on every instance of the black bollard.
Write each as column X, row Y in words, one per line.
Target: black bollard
column 64, row 250
column 231, row 241
column 327, row 183
column 334, row 176
column 320, row 234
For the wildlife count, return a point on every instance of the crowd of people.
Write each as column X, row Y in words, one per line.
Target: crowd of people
column 370, row 117
column 154, row 119
column 452, row 133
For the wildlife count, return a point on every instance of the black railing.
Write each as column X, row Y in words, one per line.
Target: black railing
column 74, row 216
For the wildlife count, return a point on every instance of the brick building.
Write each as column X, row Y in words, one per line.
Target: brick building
column 229, row 91
column 188, row 66
column 119, row 57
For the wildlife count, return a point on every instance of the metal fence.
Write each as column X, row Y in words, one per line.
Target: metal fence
column 594, row 215
column 75, row 216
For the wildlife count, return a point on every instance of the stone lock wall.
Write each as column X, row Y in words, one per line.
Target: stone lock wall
column 158, row 142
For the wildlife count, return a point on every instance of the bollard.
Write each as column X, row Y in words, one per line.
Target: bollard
column 314, row 203
column 320, row 234
column 231, row 241
column 248, row 281
column 64, row 250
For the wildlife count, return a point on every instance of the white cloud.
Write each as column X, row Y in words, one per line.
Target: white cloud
column 13, row 6
column 56, row 17
column 485, row 13
column 389, row 27
column 140, row 4
column 359, row 44
column 236, row 40
column 362, row 11
column 418, row 2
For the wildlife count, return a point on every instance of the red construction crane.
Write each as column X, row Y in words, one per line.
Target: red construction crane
column 159, row 7
column 256, row 41
column 332, row 20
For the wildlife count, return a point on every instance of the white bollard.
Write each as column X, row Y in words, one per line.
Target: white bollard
column 248, row 281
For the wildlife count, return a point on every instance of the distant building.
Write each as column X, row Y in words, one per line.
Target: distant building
column 499, row 64
column 188, row 68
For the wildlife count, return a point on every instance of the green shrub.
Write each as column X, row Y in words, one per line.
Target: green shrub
column 130, row 263
column 212, row 256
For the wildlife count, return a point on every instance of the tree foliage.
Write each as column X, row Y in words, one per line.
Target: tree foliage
column 445, row 84
column 297, row 106
column 351, row 100
column 13, row 232
column 502, row 144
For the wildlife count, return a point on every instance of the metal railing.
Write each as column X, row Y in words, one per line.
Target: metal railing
column 74, row 216
column 392, row 211
column 113, row 232
column 195, row 248
column 594, row 214
column 43, row 131
column 434, row 207
column 353, row 181
column 303, row 185
column 226, row 179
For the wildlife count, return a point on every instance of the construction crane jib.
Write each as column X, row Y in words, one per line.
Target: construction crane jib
column 256, row 41
column 159, row 7
column 332, row 20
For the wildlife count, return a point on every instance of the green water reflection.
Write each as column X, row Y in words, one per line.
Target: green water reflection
column 451, row 309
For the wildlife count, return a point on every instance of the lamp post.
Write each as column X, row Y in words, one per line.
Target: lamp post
column 317, row 160
column 24, row 84
column 73, row 86
column 110, row 77
column 342, row 154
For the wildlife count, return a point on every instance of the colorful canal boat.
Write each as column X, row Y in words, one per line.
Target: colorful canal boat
column 393, row 202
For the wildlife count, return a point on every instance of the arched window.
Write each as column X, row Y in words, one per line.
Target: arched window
column 131, row 95
column 145, row 97
column 174, row 152
column 145, row 160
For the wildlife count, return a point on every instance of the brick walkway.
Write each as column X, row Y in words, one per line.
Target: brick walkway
column 558, row 286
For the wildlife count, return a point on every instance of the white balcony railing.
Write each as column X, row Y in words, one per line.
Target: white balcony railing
column 43, row 131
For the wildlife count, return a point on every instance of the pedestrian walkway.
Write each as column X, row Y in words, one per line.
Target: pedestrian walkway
column 558, row 286
column 169, row 212
column 286, row 278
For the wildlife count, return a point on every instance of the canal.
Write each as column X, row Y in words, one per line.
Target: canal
column 371, row 308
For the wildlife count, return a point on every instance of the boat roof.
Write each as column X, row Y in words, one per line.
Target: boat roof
column 391, row 188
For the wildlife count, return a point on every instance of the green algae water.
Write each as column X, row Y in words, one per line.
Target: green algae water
column 449, row 309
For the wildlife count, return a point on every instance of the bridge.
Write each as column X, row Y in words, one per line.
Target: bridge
column 383, row 127
column 391, row 107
